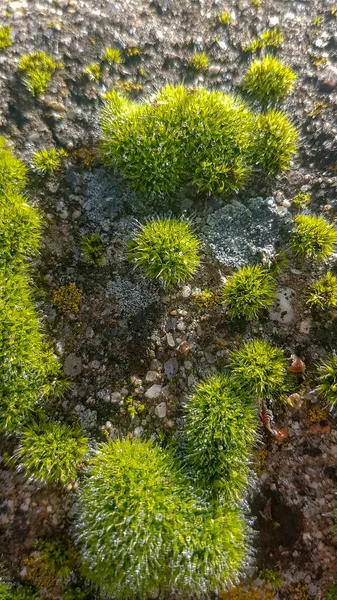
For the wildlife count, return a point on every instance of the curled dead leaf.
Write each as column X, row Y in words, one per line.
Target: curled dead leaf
column 297, row 366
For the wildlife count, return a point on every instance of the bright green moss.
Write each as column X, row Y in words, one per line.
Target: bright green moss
column 269, row 39
column 323, row 293
column 301, row 200
column 178, row 138
column 268, row 79
column 37, row 69
column 92, row 248
column 165, row 249
column 224, row 18
column 5, row 36
column 47, row 161
column 12, row 172
column 112, row 56
column 219, row 433
column 275, row 142
column 50, row 452
column 140, row 529
column 327, row 380
column 93, row 71
column 312, row 237
column 248, row 291
column 198, row 62
column 259, row 369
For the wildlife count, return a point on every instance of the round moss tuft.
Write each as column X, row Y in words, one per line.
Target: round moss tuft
column 220, row 431
column 141, row 530
column 323, row 293
column 274, row 143
column 268, row 80
column 327, row 380
column 312, row 237
column 165, row 249
column 259, row 368
column 50, row 452
column 248, row 291
column 12, row 172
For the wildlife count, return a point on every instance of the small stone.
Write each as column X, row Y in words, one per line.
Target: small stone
column 138, row 431
column 116, row 397
column 89, row 332
column 184, row 347
column 153, row 392
column 170, row 340
column 135, row 381
column 104, row 395
column 186, row 291
column 151, row 376
column 160, row 410
column 328, row 76
column 171, row 367
column 72, row 365
column 305, row 326
column 181, row 326
column 95, row 364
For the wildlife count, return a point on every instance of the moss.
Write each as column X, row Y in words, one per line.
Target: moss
column 11, row 592
column 248, row 291
column 312, row 237
column 135, row 494
column 198, row 62
column 323, row 293
column 333, row 10
column 327, row 380
column 317, row 21
column 132, row 51
column 50, row 452
column 268, row 79
column 256, row 3
column 67, row 298
column 134, row 407
column 268, row 39
column 165, row 249
column 259, row 369
column 206, row 299
column 224, row 18
column 5, row 36
column 301, row 200
column 219, row 433
column 12, row 172
column 47, row 161
column 129, row 86
column 92, row 248
column 93, row 71
column 275, row 142
column 37, row 69
column 112, row 56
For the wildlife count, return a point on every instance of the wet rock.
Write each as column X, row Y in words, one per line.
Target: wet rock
column 72, row 365
column 171, row 367
column 160, row 410
column 153, row 392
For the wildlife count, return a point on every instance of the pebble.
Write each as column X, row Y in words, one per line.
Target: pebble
column 171, row 367
column 72, row 365
column 153, row 392
column 116, row 397
column 151, row 376
column 170, row 340
column 328, row 76
column 160, row 410
column 186, row 291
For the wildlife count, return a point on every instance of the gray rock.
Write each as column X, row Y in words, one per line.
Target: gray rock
column 170, row 340
column 132, row 296
column 328, row 76
column 72, row 365
column 151, row 376
column 282, row 311
column 171, row 367
column 160, row 410
column 104, row 395
column 153, row 392
column 116, row 397
column 238, row 232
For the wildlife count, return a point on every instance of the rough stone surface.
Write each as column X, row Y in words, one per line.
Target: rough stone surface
column 160, row 410
column 171, row 367
column 153, row 392
column 282, row 310
column 72, row 365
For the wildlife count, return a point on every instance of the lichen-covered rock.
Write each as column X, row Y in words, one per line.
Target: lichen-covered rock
column 238, row 233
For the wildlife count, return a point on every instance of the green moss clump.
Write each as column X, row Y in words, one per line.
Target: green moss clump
column 37, row 69
column 301, row 200
column 270, row 39
column 268, row 79
column 9, row 592
column 220, row 431
column 327, row 380
column 275, row 142
column 140, row 529
column 47, row 161
column 50, row 452
column 312, row 237
column 198, row 62
column 5, row 36
column 259, row 369
column 12, row 172
column 248, row 291
column 112, row 56
column 323, row 293
column 206, row 299
column 165, row 249
column 177, row 138
column 93, row 71
column 224, row 18
column 92, row 248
